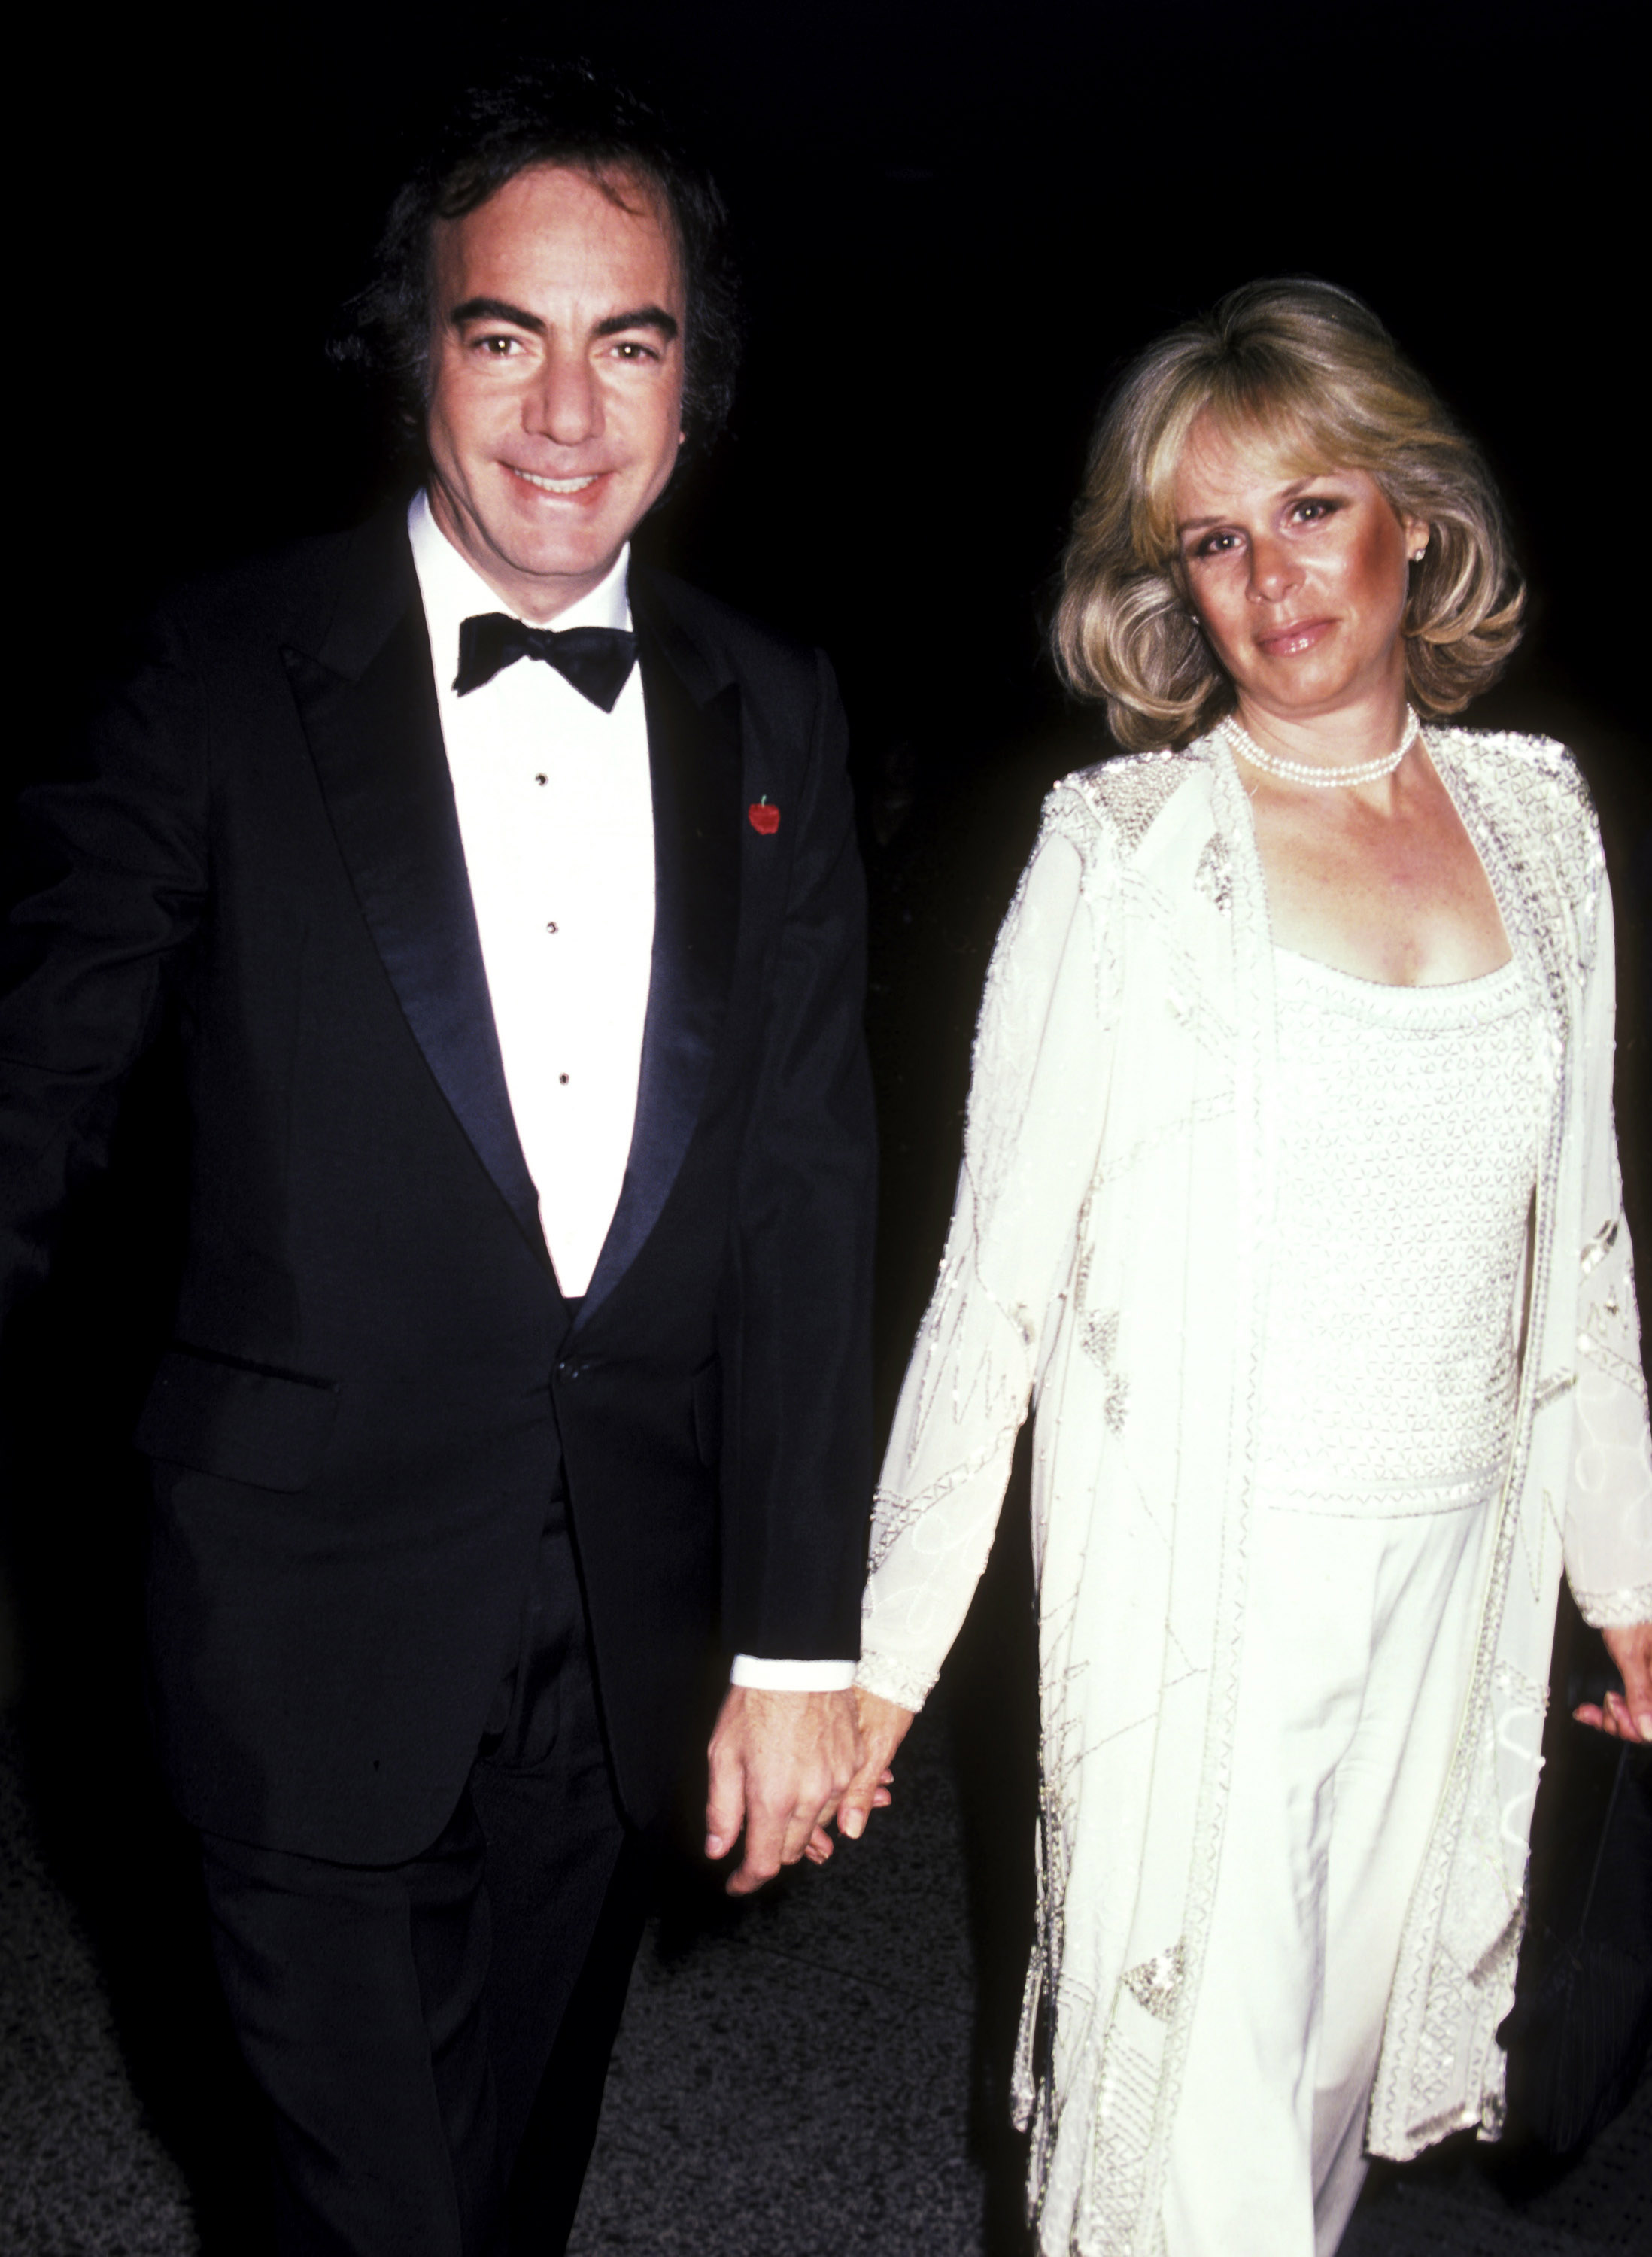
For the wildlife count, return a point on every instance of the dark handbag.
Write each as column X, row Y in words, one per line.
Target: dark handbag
column 1581, row 2025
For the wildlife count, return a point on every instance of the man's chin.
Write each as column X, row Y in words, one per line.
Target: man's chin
column 563, row 570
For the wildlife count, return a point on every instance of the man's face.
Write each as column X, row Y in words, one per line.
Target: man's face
column 556, row 381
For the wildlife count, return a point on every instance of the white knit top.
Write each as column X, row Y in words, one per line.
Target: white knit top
column 1410, row 1119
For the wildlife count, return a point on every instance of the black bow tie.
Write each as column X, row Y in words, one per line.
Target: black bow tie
column 596, row 660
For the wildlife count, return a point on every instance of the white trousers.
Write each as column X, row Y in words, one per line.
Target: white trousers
column 1359, row 1643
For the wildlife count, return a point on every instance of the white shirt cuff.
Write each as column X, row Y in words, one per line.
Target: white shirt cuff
column 768, row 1676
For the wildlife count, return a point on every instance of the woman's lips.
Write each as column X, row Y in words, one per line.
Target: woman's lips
column 1302, row 635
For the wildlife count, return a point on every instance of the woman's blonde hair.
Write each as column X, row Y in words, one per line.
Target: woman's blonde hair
column 1312, row 371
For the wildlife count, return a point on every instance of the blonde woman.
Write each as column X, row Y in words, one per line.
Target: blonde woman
column 1290, row 1201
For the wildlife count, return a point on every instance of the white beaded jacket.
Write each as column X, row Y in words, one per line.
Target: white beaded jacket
column 1108, row 1263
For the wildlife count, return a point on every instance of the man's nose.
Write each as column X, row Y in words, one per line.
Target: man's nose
column 566, row 404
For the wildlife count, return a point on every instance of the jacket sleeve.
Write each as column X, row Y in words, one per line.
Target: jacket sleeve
column 800, row 1472
column 1037, row 1106
column 1608, row 1526
column 113, row 881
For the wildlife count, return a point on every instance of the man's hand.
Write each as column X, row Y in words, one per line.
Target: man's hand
column 883, row 1727
column 779, row 1763
column 1625, row 1716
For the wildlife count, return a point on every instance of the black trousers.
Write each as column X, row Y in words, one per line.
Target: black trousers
column 432, row 2037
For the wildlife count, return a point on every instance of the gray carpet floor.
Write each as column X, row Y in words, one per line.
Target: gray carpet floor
column 793, row 2078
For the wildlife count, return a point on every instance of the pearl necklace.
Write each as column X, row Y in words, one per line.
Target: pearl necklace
column 1308, row 772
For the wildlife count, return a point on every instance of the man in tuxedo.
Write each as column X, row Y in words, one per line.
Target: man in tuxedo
column 522, row 1339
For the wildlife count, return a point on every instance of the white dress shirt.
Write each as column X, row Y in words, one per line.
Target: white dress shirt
column 556, row 816
column 555, row 813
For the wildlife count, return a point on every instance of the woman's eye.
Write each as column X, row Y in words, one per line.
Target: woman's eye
column 1314, row 507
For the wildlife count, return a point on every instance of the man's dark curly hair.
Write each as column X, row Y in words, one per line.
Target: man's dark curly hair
column 547, row 113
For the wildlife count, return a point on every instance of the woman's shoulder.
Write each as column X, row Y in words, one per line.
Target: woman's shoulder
column 1543, row 762
column 1529, row 784
column 1118, row 802
column 1525, row 767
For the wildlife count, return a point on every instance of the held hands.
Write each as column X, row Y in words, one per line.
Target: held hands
column 779, row 1764
column 883, row 1727
column 1625, row 1716
column 783, row 1765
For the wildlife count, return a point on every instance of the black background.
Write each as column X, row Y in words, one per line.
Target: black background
column 955, row 222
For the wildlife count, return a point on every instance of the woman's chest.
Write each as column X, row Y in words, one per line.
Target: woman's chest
column 1398, row 896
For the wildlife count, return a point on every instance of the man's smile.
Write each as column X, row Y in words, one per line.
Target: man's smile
column 556, row 485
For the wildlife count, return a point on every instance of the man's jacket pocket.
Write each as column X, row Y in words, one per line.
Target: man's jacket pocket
column 237, row 1421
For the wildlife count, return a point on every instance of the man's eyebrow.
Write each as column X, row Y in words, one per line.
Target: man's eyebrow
column 640, row 317
column 496, row 309
column 664, row 325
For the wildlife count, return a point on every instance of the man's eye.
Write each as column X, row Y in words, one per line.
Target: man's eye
column 495, row 348
column 629, row 349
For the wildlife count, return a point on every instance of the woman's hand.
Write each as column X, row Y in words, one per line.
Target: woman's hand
column 883, row 1726
column 1627, row 1715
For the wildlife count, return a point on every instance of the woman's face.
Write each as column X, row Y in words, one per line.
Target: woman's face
column 1299, row 582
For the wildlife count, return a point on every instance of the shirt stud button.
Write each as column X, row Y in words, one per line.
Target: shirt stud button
column 561, row 1077
column 551, row 925
column 539, row 779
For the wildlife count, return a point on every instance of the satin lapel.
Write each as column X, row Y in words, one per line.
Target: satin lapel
column 367, row 705
column 694, row 757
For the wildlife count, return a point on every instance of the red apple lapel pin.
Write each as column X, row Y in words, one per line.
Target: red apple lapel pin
column 763, row 818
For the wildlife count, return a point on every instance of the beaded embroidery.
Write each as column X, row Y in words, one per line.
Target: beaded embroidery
column 1156, row 1984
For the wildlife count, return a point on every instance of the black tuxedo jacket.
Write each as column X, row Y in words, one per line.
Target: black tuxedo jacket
column 374, row 1377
